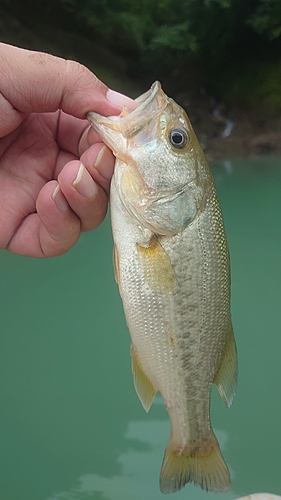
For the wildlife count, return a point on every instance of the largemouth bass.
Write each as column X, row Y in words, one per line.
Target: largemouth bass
column 172, row 268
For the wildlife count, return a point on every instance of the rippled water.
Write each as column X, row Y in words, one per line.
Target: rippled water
column 71, row 426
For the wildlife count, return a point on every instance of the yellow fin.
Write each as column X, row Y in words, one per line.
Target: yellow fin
column 116, row 265
column 207, row 470
column 158, row 270
column 226, row 376
column 144, row 388
column 125, row 111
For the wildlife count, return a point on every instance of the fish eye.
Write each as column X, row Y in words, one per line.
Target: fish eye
column 178, row 138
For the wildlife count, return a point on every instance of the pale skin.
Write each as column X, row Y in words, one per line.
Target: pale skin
column 54, row 170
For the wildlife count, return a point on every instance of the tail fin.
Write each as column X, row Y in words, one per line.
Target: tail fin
column 206, row 470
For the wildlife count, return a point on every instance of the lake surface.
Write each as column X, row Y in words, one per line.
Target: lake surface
column 71, row 425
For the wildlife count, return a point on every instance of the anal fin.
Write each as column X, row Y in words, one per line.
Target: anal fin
column 226, row 376
column 144, row 388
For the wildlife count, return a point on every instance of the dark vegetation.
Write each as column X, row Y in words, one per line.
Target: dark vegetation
column 229, row 49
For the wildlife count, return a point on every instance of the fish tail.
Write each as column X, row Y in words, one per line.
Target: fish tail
column 205, row 467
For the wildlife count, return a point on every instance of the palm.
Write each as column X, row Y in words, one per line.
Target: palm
column 30, row 157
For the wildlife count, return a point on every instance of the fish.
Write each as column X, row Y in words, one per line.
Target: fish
column 172, row 267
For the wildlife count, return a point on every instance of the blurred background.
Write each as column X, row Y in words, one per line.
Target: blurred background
column 220, row 59
column 71, row 425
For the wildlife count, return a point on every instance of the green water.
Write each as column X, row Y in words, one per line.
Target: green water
column 71, row 426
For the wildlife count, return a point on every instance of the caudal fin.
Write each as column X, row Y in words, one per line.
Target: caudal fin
column 207, row 470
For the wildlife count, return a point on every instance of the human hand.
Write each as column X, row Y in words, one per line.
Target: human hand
column 54, row 171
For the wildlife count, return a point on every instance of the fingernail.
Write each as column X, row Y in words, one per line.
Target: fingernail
column 120, row 99
column 84, row 183
column 60, row 199
column 99, row 157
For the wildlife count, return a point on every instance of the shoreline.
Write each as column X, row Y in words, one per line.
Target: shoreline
column 231, row 133
column 223, row 131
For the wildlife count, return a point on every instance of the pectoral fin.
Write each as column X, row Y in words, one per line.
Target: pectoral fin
column 226, row 376
column 144, row 388
column 157, row 267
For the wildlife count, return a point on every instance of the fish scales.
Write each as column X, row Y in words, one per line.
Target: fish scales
column 172, row 268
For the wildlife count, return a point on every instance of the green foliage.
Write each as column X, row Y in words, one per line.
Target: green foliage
column 157, row 37
column 257, row 87
column 165, row 29
column 266, row 19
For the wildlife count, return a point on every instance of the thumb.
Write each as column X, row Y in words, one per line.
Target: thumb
column 38, row 82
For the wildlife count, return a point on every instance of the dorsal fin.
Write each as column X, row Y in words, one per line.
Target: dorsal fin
column 116, row 266
column 226, row 376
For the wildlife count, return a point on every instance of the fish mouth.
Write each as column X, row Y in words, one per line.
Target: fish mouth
column 150, row 105
column 116, row 130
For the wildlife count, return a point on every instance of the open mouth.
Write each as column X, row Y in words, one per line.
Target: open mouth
column 151, row 105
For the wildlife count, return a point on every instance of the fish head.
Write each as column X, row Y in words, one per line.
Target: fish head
column 162, row 165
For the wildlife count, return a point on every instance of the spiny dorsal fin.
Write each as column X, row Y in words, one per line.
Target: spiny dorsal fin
column 157, row 267
column 144, row 388
column 226, row 376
